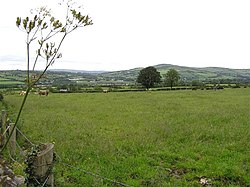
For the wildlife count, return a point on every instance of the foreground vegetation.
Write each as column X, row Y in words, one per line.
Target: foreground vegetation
column 144, row 138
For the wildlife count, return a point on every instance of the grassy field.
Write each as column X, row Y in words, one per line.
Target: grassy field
column 10, row 82
column 144, row 139
column 1, row 106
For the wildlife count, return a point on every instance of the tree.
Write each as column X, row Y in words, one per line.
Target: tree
column 148, row 77
column 172, row 77
column 48, row 34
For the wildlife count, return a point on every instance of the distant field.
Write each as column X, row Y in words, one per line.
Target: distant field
column 172, row 138
column 10, row 82
column 3, row 79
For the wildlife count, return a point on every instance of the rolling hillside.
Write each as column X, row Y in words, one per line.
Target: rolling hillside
column 188, row 73
column 66, row 77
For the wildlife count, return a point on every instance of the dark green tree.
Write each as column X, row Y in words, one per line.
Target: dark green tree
column 148, row 77
column 172, row 77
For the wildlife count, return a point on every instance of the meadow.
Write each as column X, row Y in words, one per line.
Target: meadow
column 160, row 138
column 10, row 83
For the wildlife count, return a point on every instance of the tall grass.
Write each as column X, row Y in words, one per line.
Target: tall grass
column 146, row 138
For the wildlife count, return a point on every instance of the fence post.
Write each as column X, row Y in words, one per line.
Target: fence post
column 12, row 141
column 43, row 164
column 3, row 127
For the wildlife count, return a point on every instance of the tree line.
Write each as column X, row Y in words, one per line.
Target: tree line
column 149, row 77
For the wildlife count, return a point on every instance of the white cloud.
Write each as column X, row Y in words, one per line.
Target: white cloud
column 128, row 34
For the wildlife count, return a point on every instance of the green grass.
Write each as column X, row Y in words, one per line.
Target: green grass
column 144, row 139
column 1, row 106
column 3, row 79
column 10, row 82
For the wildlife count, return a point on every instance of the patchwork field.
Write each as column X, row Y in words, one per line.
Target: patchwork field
column 144, row 139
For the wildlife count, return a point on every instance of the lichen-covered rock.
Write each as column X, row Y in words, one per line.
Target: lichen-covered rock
column 8, row 178
column 1, row 170
column 20, row 180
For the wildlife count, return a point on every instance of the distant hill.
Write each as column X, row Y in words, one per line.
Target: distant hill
column 76, row 71
column 187, row 73
column 14, row 78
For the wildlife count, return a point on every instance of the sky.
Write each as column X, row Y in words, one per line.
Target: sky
column 128, row 34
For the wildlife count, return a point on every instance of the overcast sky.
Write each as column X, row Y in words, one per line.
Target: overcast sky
column 138, row 33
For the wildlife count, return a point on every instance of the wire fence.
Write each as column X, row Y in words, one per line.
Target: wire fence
column 96, row 175
column 81, row 170
column 26, row 138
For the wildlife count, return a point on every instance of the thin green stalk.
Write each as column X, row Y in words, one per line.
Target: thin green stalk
column 28, row 90
column 53, row 58
column 18, row 116
column 26, row 94
column 28, row 61
column 36, row 58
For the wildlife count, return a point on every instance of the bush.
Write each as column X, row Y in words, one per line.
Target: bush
column 1, row 97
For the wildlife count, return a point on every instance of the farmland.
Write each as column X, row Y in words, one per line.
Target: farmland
column 144, row 138
column 77, row 80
